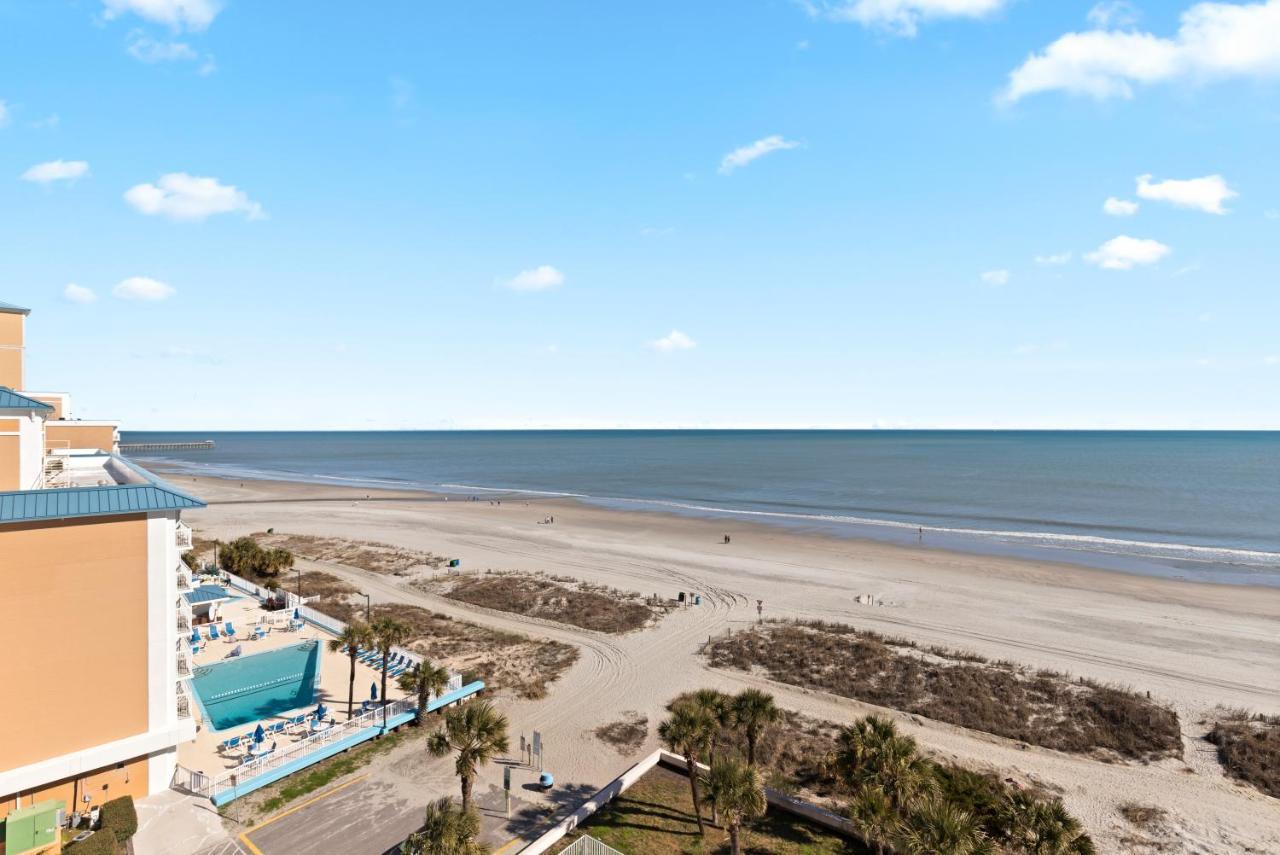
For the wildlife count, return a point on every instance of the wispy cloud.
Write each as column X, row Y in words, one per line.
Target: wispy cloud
column 1204, row 194
column 143, row 289
column 1116, row 13
column 1214, row 41
column 1119, row 207
column 151, row 51
column 746, row 154
column 74, row 293
column 56, row 170
column 180, row 196
column 1055, row 259
column 540, row 278
column 996, row 277
column 900, row 17
column 1125, row 253
column 673, row 341
column 4, row 113
column 178, row 15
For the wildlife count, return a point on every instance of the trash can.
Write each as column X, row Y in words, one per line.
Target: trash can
column 697, row 600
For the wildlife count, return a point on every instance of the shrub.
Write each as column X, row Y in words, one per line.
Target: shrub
column 99, row 843
column 119, row 817
column 1249, row 749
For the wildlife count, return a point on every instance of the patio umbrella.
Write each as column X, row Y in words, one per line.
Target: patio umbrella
column 373, row 692
column 297, row 615
column 321, row 711
column 259, row 734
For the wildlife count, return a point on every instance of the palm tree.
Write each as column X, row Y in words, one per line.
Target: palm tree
column 688, row 731
column 354, row 636
column 386, row 633
column 754, row 712
column 874, row 818
column 739, row 792
column 446, row 830
column 425, row 680
column 478, row 733
column 871, row 754
column 939, row 826
column 719, row 707
column 1050, row 830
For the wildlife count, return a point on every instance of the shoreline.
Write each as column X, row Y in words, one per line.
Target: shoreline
column 970, row 543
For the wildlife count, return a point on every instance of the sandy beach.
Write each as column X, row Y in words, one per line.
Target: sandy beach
column 1192, row 646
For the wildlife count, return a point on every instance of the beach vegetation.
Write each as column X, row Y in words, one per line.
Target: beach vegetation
column 246, row 558
column 446, row 830
column 477, row 733
column 101, row 842
column 354, row 637
column 627, row 734
column 387, row 633
column 1249, row 749
column 361, row 554
column 737, row 791
column 424, row 680
column 688, row 731
column 754, row 712
column 1036, row 707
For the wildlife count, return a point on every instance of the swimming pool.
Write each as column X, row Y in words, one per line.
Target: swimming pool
column 258, row 686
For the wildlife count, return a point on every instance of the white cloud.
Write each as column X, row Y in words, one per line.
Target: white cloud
column 180, row 196
column 1055, row 259
column 673, row 341
column 143, row 288
column 177, row 14
column 740, row 157
column 1272, row 214
column 50, row 121
column 901, row 17
column 56, row 170
column 1271, row 360
column 996, row 277
column 1125, row 253
column 1214, row 41
column 1119, row 207
column 1116, row 13
column 1205, row 194
column 539, row 278
column 4, row 113
column 146, row 49
column 78, row 293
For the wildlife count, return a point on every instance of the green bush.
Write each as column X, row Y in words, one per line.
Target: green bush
column 119, row 817
column 99, row 843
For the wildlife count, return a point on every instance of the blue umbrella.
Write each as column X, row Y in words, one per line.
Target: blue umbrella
column 373, row 692
column 321, row 711
column 258, row 733
column 297, row 615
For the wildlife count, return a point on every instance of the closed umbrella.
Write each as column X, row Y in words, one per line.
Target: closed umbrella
column 373, row 692
column 321, row 711
column 259, row 734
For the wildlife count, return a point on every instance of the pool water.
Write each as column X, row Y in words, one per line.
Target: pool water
column 259, row 686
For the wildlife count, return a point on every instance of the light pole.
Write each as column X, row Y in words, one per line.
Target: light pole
column 368, row 616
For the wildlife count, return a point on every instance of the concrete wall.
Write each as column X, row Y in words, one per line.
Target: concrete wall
column 11, row 345
column 130, row 778
column 99, row 435
column 10, row 455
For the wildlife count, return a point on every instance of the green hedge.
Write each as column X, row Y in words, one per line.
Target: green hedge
column 119, row 817
column 99, row 843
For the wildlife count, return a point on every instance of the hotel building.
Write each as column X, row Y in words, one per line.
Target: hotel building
column 93, row 701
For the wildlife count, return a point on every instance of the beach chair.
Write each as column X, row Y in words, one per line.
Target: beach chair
column 276, row 727
column 228, row 744
column 213, row 632
column 297, row 721
column 367, row 656
column 229, row 631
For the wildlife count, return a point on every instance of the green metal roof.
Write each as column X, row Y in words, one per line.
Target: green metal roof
column 11, row 400
column 11, row 309
column 67, row 502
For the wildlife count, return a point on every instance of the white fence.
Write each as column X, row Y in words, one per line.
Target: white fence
column 588, row 846
column 205, row 785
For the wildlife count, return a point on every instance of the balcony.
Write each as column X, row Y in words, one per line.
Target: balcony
column 182, row 536
column 184, row 703
column 184, row 666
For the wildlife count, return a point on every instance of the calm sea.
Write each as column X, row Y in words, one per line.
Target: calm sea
column 1203, row 506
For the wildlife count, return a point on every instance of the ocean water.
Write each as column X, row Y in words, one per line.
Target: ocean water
column 1197, row 505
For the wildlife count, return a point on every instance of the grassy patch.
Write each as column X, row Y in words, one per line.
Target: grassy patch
column 1142, row 816
column 1249, row 749
column 271, row 799
column 504, row 660
column 655, row 817
column 1038, row 707
column 366, row 555
column 557, row 598
column 625, row 735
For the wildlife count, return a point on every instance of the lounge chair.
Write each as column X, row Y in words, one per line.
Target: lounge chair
column 233, row 742
column 368, row 656
column 296, row 721
column 397, row 671
column 276, row 727
column 213, row 632
column 229, row 631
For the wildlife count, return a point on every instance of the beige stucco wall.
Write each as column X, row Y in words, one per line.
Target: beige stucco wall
column 55, row 401
column 77, row 435
column 10, row 365
column 128, row 779
column 10, row 458
column 84, row 684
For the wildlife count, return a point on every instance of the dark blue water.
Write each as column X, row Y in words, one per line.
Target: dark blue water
column 1202, row 505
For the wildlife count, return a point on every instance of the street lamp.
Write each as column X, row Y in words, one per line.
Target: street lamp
column 368, row 617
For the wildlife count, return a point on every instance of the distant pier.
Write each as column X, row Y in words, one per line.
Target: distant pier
column 135, row 447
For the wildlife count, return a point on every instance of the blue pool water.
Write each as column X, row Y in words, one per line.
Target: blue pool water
column 250, row 688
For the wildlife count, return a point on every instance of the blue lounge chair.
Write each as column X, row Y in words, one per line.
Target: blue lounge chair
column 229, row 630
column 213, row 632
column 397, row 671
column 276, row 727
column 368, row 656
column 298, row 720
column 233, row 742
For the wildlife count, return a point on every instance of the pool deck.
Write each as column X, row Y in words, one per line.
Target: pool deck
column 204, row 753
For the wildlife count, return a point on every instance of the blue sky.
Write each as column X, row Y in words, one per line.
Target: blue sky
column 877, row 212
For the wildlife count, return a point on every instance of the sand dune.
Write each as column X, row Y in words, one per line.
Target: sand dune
column 1192, row 646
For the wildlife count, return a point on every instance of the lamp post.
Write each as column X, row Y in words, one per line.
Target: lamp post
column 299, row 569
column 368, row 616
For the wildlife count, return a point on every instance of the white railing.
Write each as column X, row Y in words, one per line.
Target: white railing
column 588, row 846
column 182, row 536
column 204, row 785
column 183, row 623
column 184, row 666
column 184, row 703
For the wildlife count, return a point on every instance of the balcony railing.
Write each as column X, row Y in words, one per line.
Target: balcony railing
column 182, row 536
column 184, row 666
column 183, row 623
column 184, row 703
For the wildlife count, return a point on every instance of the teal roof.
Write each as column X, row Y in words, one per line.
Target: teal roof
column 11, row 400
column 12, row 309
column 68, row 502
column 207, row 594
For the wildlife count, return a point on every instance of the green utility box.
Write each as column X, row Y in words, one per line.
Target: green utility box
column 33, row 828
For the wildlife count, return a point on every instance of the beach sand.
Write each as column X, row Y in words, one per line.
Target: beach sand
column 1192, row 646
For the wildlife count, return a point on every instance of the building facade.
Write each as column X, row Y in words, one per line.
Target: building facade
column 93, row 701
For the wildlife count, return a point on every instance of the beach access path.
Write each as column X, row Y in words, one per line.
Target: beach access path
column 1192, row 646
